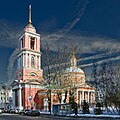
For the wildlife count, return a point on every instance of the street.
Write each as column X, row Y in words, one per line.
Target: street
column 6, row 116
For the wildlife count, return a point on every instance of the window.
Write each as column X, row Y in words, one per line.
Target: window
column 19, row 74
column 22, row 42
column 32, row 61
column 32, row 43
column 33, row 74
column 37, row 61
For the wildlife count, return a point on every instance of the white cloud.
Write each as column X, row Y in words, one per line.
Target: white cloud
column 9, row 34
column 85, row 43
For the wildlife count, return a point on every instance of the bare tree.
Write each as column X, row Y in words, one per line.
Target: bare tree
column 107, row 83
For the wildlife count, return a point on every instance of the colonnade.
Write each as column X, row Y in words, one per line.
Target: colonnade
column 89, row 96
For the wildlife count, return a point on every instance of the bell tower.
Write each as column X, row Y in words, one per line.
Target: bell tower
column 29, row 56
column 29, row 72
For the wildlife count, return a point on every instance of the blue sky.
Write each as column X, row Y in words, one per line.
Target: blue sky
column 94, row 25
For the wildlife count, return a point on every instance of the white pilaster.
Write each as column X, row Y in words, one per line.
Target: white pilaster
column 39, row 63
column 82, row 95
column 29, row 60
column 18, row 63
column 26, row 60
column 13, row 99
column 77, row 96
column 80, row 98
column 29, row 42
column 20, row 44
column 20, row 97
column 63, row 97
column 36, row 61
column 35, row 44
column 91, row 97
column 23, row 59
column 88, row 96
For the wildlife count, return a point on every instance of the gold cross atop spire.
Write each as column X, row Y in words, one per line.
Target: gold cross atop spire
column 29, row 21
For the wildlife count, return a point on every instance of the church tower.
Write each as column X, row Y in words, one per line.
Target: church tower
column 29, row 56
column 29, row 72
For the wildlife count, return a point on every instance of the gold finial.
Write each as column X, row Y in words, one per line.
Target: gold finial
column 73, row 59
column 29, row 21
column 73, row 53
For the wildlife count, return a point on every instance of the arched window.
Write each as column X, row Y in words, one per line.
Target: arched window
column 32, row 43
column 33, row 74
column 32, row 61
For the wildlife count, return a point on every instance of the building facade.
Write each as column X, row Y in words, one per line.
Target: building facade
column 28, row 91
column 73, row 86
column 29, row 72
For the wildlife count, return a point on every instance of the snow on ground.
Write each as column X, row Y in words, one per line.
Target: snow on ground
column 111, row 113
column 92, row 115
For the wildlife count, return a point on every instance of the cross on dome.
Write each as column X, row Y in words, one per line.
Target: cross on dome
column 73, row 61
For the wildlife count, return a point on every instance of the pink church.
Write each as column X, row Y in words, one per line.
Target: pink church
column 29, row 72
column 27, row 88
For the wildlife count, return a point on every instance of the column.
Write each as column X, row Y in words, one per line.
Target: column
column 39, row 63
column 29, row 42
column 77, row 96
column 21, row 44
column 29, row 60
column 20, row 98
column 91, row 97
column 80, row 97
column 35, row 44
column 26, row 59
column 23, row 60
column 63, row 97
column 13, row 99
column 18, row 63
column 36, row 61
column 83, row 95
column 88, row 97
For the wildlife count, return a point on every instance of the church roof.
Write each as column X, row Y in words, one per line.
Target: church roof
column 73, row 65
column 74, row 69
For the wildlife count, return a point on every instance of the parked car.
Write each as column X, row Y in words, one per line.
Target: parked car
column 5, row 110
column 23, row 112
column 12, row 110
column 17, row 111
column 33, row 113
column 0, row 111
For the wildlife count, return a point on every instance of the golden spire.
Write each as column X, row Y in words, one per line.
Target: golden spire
column 29, row 20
